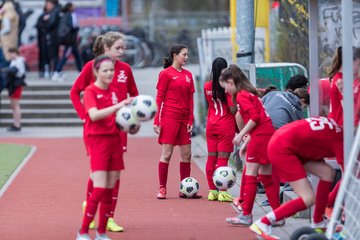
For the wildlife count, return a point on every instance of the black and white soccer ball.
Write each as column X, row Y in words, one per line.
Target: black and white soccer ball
column 144, row 107
column 224, row 178
column 189, row 186
column 126, row 120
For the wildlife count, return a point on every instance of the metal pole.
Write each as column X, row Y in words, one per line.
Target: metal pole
column 348, row 93
column 245, row 30
column 313, row 57
column 124, row 15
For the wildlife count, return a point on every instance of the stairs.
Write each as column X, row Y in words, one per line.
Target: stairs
column 43, row 104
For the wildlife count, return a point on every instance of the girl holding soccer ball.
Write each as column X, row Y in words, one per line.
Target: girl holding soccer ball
column 103, row 141
column 174, row 121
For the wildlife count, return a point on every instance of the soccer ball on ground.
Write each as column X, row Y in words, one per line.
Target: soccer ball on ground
column 125, row 119
column 224, row 178
column 189, row 186
column 144, row 107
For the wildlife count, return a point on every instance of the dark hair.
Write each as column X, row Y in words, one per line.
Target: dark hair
column 337, row 61
column 67, row 7
column 55, row 2
column 13, row 50
column 302, row 93
column 108, row 39
column 297, row 81
column 270, row 88
column 218, row 92
column 241, row 82
column 175, row 49
column 98, row 60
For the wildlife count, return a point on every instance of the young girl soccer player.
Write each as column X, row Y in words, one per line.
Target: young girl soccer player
column 258, row 125
column 174, row 121
column 220, row 128
column 336, row 98
column 111, row 44
column 293, row 150
column 103, row 141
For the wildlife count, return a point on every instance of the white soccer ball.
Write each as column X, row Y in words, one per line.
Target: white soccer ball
column 126, row 120
column 144, row 107
column 189, row 186
column 224, row 178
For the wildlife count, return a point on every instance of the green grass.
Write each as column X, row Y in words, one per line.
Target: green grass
column 11, row 155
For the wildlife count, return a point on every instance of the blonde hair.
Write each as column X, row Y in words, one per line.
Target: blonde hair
column 108, row 39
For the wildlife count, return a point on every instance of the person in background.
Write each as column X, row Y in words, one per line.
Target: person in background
column 15, row 84
column 8, row 36
column 220, row 128
column 174, row 121
column 69, row 39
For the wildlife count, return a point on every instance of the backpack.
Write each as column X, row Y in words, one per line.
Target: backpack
column 64, row 30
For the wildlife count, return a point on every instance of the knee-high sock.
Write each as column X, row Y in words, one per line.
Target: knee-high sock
column 272, row 191
column 286, row 210
column 185, row 169
column 105, row 209
column 90, row 186
column 163, row 173
column 249, row 194
column 322, row 193
column 114, row 199
column 210, row 168
column 242, row 185
column 333, row 194
column 91, row 207
column 222, row 162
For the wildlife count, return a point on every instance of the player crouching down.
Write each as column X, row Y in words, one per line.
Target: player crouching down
column 293, row 150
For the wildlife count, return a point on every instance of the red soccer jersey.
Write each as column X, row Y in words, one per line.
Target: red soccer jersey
column 175, row 96
column 123, row 82
column 251, row 107
column 312, row 138
column 218, row 112
column 336, row 110
column 99, row 98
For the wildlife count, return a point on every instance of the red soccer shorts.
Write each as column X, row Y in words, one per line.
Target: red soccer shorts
column 106, row 153
column 17, row 93
column 257, row 149
column 284, row 162
column 123, row 136
column 219, row 141
column 174, row 133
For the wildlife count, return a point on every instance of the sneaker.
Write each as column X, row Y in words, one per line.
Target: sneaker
column 102, row 236
column 262, row 230
column 260, row 188
column 162, row 193
column 196, row 195
column 113, row 226
column 240, row 220
column 92, row 224
column 213, row 195
column 55, row 76
column 225, row 197
column 265, row 203
column 84, row 236
column 279, row 223
column 13, row 128
column 321, row 226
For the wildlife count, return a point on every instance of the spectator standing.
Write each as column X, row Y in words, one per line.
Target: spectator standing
column 68, row 36
column 15, row 84
column 8, row 35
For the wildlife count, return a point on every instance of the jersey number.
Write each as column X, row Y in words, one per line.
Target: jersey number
column 319, row 123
